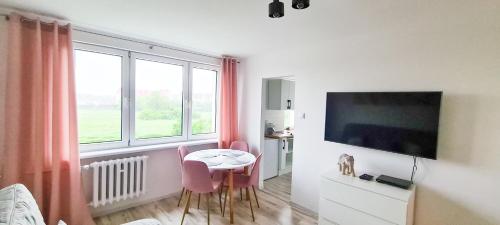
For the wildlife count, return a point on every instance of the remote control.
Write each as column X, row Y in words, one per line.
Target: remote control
column 366, row 177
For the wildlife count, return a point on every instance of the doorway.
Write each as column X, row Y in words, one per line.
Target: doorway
column 277, row 135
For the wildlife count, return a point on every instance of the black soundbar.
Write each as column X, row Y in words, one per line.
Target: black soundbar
column 393, row 181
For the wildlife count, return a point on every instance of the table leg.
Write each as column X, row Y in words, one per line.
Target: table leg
column 246, row 171
column 230, row 181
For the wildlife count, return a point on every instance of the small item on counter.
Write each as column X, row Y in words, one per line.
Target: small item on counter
column 346, row 164
column 287, row 131
column 270, row 129
column 367, row 177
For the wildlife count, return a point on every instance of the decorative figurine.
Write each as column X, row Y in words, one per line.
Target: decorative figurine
column 346, row 165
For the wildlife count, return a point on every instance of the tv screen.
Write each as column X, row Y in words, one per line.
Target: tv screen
column 399, row 122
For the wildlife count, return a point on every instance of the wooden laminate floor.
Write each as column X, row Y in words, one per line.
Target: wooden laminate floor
column 274, row 208
column 280, row 187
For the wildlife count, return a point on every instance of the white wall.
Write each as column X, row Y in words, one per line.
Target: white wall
column 453, row 46
column 280, row 118
column 276, row 117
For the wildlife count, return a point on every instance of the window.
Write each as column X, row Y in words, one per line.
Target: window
column 158, row 98
column 99, row 77
column 204, row 92
column 132, row 99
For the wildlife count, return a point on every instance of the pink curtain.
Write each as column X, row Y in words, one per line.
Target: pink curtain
column 41, row 126
column 229, row 103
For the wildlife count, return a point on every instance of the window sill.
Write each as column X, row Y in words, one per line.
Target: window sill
column 146, row 148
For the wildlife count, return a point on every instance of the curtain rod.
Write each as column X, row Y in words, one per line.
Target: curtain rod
column 27, row 19
column 121, row 37
column 77, row 28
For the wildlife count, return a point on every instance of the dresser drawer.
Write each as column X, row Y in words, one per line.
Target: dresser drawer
column 332, row 213
column 384, row 207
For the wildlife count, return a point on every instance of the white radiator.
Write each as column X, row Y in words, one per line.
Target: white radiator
column 118, row 179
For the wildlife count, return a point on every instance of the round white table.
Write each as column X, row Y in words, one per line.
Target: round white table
column 224, row 159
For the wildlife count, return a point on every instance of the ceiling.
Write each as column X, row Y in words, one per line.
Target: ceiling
column 229, row 27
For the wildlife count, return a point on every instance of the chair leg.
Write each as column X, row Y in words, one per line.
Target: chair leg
column 186, row 209
column 241, row 194
column 255, row 194
column 208, row 208
column 250, row 201
column 224, row 208
column 199, row 195
column 189, row 202
column 180, row 198
column 220, row 201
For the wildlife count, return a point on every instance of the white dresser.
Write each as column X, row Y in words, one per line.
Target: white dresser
column 348, row 200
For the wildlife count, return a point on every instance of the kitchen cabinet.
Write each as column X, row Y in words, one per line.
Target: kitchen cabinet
column 271, row 158
column 280, row 94
column 285, row 155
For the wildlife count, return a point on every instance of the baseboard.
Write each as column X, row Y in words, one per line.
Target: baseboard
column 304, row 210
column 98, row 213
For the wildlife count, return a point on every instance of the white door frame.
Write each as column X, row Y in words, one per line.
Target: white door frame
column 262, row 117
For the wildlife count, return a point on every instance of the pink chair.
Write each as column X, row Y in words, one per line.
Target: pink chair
column 182, row 151
column 242, row 146
column 246, row 181
column 255, row 152
column 239, row 145
column 196, row 178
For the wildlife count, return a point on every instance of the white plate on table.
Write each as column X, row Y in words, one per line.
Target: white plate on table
column 232, row 154
column 238, row 161
column 208, row 155
column 212, row 162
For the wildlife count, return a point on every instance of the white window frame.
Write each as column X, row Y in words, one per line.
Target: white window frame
column 185, row 85
column 128, row 99
column 124, row 96
column 192, row 136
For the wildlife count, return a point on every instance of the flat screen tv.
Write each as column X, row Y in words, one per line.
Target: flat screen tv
column 399, row 122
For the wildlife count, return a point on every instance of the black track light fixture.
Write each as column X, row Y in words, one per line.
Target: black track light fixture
column 277, row 9
column 300, row 4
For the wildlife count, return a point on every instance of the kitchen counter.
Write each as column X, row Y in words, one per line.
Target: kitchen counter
column 279, row 136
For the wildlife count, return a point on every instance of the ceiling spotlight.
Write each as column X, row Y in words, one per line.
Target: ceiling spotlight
column 300, row 4
column 277, row 9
